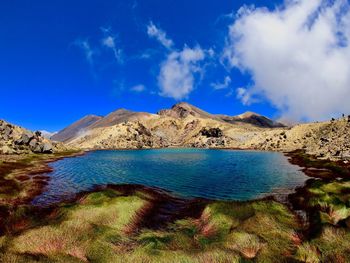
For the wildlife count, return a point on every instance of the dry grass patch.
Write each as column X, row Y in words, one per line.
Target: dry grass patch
column 82, row 227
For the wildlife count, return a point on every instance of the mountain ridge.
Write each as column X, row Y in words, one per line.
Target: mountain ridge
column 181, row 110
column 76, row 127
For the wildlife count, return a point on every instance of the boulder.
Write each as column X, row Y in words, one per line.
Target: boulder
column 25, row 138
column 38, row 148
column 8, row 131
column 47, row 148
column 33, row 144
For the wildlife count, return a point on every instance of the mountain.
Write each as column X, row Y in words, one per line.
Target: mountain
column 74, row 129
column 252, row 118
column 47, row 134
column 119, row 116
column 183, row 110
column 181, row 125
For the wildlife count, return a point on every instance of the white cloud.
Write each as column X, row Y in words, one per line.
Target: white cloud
column 138, row 88
column 223, row 85
column 109, row 42
column 297, row 54
column 177, row 72
column 160, row 35
column 245, row 96
column 88, row 51
column 211, row 52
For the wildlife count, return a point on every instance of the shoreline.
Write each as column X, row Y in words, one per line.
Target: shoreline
column 31, row 168
column 319, row 171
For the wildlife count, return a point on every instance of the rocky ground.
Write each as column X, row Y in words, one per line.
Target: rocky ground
column 325, row 140
column 17, row 140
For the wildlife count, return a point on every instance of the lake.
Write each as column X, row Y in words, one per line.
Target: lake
column 212, row 174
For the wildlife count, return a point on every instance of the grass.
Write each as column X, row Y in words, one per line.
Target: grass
column 85, row 230
column 330, row 200
column 97, row 228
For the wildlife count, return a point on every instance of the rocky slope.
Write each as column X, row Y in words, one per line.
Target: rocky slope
column 326, row 140
column 74, row 129
column 183, row 110
column 119, row 116
column 17, row 140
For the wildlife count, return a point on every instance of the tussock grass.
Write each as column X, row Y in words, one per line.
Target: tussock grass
column 106, row 226
column 86, row 228
column 253, row 230
column 308, row 253
column 97, row 229
column 333, row 245
column 331, row 200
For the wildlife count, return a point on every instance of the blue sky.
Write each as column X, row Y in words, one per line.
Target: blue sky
column 62, row 60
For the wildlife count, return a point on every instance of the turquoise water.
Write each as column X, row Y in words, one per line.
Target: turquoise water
column 213, row 174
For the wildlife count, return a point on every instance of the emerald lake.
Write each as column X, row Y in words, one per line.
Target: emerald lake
column 206, row 173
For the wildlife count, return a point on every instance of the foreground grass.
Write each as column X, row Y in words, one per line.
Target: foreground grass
column 102, row 227
column 106, row 226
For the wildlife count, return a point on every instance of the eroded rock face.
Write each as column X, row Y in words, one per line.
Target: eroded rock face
column 211, row 132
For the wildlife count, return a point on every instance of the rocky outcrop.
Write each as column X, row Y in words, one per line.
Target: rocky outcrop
column 129, row 135
column 211, row 132
column 16, row 140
